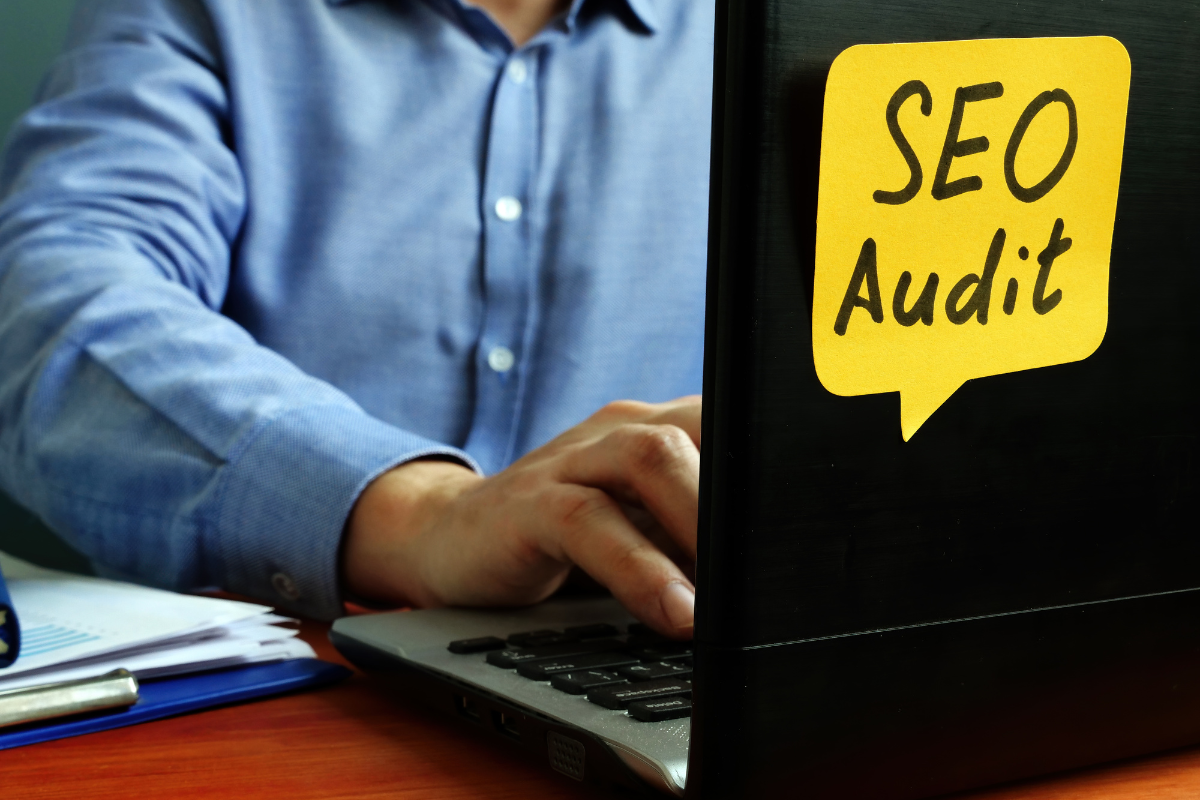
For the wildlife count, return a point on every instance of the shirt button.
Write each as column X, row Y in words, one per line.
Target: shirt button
column 508, row 209
column 286, row 587
column 517, row 71
column 501, row 359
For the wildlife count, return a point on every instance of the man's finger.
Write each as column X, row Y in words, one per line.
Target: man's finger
column 682, row 413
column 656, row 465
column 589, row 530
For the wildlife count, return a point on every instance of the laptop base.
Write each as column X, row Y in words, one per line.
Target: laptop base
column 579, row 739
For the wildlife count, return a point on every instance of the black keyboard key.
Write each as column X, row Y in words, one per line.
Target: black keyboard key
column 666, row 651
column 654, row 671
column 585, row 681
column 517, row 639
column 542, row 670
column 540, row 638
column 660, row 710
column 619, row 697
column 509, row 659
column 480, row 645
column 642, row 636
column 594, row 631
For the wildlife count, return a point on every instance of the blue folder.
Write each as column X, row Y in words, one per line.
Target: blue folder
column 167, row 697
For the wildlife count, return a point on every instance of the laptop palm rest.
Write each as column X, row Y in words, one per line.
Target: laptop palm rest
column 411, row 641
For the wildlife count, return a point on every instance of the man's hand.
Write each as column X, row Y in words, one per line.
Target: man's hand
column 433, row 533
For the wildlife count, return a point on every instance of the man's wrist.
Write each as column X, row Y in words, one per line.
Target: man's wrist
column 381, row 559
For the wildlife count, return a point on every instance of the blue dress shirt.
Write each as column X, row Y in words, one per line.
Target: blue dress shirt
column 253, row 254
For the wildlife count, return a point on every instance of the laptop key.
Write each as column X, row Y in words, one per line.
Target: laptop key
column 509, row 659
column 619, row 697
column 666, row 651
column 585, row 681
column 594, row 631
column 654, row 671
column 542, row 670
column 660, row 710
column 642, row 629
column 642, row 635
column 540, row 638
column 480, row 645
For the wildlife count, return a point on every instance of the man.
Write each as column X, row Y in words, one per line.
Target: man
column 281, row 282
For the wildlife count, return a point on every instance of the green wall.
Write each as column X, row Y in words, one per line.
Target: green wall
column 31, row 33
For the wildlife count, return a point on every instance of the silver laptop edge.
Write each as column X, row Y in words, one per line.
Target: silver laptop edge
column 656, row 751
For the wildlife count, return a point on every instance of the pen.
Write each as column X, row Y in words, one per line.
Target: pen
column 33, row 703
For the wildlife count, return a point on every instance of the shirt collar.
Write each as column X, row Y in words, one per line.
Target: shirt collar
column 642, row 9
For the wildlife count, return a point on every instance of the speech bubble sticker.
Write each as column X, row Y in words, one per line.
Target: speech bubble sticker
column 966, row 206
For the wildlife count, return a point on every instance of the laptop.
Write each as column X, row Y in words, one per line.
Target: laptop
column 928, row 563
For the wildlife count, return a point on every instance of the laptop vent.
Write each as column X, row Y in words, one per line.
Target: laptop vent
column 566, row 755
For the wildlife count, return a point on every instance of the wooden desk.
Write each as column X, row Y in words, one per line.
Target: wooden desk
column 355, row 741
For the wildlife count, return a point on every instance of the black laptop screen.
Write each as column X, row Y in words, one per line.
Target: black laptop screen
column 1066, row 484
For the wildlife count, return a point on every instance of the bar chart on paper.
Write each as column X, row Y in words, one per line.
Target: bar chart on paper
column 47, row 638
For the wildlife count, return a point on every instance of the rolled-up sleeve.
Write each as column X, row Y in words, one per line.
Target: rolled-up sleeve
column 149, row 430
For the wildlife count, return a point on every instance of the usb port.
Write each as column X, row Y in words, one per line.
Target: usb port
column 506, row 725
column 466, row 707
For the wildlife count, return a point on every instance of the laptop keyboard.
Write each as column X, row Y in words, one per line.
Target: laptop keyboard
column 640, row 672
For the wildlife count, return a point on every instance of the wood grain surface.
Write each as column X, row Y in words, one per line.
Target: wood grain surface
column 356, row 741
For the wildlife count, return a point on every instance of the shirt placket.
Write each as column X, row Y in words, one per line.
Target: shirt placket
column 501, row 360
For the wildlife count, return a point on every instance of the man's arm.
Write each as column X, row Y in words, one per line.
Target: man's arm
column 433, row 533
column 149, row 430
column 154, row 434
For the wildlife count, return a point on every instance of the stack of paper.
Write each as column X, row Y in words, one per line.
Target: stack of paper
column 79, row 627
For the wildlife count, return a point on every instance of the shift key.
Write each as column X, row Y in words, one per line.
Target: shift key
column 619, row 697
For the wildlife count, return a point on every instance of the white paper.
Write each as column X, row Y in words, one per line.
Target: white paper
column 75, row 626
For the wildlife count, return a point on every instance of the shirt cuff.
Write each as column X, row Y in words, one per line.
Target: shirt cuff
column 285, row 497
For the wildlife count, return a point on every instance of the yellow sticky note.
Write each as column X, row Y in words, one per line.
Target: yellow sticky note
column 967, row 198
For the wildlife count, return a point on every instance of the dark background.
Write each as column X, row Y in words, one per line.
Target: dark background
column 1046, row 487
column 31, row 33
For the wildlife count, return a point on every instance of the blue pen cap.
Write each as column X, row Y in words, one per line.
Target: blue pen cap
column 10, row 631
